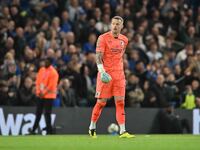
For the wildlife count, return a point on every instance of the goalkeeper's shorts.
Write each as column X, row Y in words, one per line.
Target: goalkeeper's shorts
column 116, row 87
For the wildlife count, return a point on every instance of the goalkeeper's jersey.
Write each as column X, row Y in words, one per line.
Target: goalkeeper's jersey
column 113, row 49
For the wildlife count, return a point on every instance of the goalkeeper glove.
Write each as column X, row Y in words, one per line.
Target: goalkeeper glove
column 105, row 77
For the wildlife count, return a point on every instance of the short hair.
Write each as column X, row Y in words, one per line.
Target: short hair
column 118, row 18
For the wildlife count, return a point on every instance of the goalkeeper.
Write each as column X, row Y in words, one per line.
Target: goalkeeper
column 110, row 79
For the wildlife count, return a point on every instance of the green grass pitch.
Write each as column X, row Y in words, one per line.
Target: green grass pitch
column 103, row 142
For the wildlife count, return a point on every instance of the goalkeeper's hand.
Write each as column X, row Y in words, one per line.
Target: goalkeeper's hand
column 105, row 77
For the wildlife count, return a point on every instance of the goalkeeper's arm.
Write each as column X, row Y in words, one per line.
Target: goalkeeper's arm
column 105, row 77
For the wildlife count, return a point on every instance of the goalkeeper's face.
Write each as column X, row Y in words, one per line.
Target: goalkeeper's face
column 116, row 26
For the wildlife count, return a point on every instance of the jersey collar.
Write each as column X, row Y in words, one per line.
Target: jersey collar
column 113, row 36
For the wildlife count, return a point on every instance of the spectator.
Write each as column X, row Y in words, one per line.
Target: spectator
column 172, row 90
column 170, row 123
column 88, row 90
column 104, row 25
column 138, row 42
column 26, row 93
column 65, row 23
column 74, row 8
column 196, row 90
column 4, row 93
column 20, row 42
column 89, row 46
column 171, row 58
column 182, row 55
column 150, row 100
column 11, row 70
column 67, row 94
column 160, row 91
column 141, row 72
column 154, row 54
column 189, row 100
column 135, row 94
column 80, row 27
column 97, row 14
column 133, row 59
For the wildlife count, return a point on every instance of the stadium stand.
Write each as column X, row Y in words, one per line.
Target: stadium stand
column 162, row 60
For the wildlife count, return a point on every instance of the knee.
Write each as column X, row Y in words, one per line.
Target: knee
column 119, row 103
column 101, row 104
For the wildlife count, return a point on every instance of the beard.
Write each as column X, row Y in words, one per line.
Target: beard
column 115, row 31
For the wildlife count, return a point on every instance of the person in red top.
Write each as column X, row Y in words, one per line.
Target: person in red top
column 110, row 79
column 46, row 91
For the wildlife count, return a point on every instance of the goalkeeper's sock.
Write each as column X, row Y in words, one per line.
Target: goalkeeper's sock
column 92, row 125
column 120, row 114
column 97, row 111
column 122, row 128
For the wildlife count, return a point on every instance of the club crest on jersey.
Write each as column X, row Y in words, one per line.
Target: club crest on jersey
column 122, row 43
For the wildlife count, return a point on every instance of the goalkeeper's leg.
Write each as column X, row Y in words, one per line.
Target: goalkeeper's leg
column 95, row 116
column 120, row 117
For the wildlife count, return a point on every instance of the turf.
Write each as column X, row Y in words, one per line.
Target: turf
column 103, row 142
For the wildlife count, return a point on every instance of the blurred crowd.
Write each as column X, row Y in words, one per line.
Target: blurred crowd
column 161, row 63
